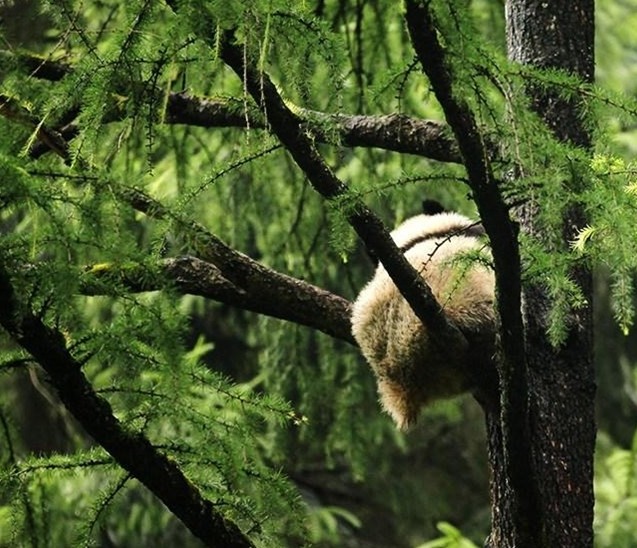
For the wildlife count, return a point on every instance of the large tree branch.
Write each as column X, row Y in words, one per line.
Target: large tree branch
column 395, row 132
column 36, row 65
column 131, row 450
column 254, row 286
column 292, row 131
column 293, row 134
column 263, row 290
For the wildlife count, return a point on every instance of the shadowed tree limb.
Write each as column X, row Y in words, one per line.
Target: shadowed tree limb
column 131, row 450
column 293, row 134
column 396, row 132
column 218, row 272
column 290, row 130
column 11, row 109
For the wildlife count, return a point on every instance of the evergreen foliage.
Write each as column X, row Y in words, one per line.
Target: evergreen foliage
column 616, row 488
column 106, row 176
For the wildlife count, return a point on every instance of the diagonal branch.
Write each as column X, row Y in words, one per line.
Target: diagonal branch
column 36, row 65
column 292, row 133
column 131, row 450
column 255, row 286
column 476, row 158
column 220, row 272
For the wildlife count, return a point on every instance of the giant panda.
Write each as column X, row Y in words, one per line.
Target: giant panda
column 411, row 370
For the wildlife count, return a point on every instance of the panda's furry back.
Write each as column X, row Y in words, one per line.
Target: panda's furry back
column 409, row 366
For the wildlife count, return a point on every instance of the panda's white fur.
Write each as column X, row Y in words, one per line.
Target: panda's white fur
column 410, row 370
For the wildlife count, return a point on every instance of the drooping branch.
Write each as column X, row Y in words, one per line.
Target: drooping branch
column 506, row 255
column 254, row 286
column 132, row 450
column 260, row 290
column 396, row 132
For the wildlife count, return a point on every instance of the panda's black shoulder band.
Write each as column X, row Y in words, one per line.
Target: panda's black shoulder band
column 474, row 230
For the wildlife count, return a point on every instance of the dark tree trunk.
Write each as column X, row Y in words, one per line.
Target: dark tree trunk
column 561, row 385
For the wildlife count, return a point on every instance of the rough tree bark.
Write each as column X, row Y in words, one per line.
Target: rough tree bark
column 541, row 427
column 561, row 385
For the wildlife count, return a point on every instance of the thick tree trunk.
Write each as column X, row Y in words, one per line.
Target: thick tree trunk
column 561, row 385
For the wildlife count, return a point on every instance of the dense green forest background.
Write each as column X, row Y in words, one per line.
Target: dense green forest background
column 275, row 422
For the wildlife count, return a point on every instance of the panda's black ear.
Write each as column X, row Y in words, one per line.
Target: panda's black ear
column 432, row 207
